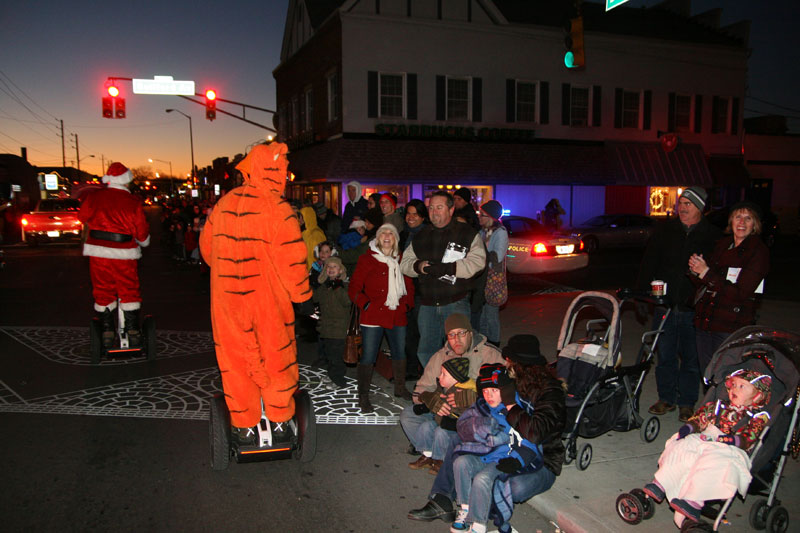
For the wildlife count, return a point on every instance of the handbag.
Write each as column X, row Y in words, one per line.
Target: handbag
column 496, row 291
column 353, row 345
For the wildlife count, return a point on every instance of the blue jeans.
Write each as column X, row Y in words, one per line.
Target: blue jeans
column 474, row 481
column 707, row 344
column 677, row 370
column 431, row 326
column 371, row 338
column 490, row 323
column 425, row 434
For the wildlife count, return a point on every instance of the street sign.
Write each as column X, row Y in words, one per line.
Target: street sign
column 163, row 85
column 611, row 4
column 51, row 182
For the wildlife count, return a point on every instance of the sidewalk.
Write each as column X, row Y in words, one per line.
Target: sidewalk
column 585, row 501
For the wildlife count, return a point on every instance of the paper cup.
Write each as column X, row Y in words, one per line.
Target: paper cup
column 658, row 287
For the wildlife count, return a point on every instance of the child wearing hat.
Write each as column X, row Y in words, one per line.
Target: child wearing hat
column 491, row 446
column 707, row 459
column 434, row 436
column 334, row 310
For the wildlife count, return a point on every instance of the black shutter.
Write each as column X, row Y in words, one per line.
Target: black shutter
column 597, row 106
column 671, row 113
column 618, row 107
column 441, row 98
column 714, row 113
column 477, row 99
column 698, row 113
column 735, row 117
column 544, row 102
column 411, row 91
column 372, row 94
column 565, row 103
column 511, row 100
column 648, row 109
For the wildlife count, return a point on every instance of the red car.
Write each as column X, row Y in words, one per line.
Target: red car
column 53, row 219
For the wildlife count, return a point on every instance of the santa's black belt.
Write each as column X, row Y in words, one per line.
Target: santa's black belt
column 109, row 236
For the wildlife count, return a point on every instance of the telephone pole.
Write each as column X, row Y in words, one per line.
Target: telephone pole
column 63, row 153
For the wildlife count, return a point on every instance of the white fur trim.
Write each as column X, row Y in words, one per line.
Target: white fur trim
column 130, row 306
column 93, row 250
column 100, row 308
column 145, row 243
column 122, row 179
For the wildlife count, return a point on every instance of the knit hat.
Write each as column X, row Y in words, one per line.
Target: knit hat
column 374, row 216
column 524, row 350
column 117, row 174
column 357, row 224
column 493, row 375
column 457, row 321
column 696, row 195
column 750, row 206
column 319, row 208
column 323, row 276
column 493, row 208
column 391, row 197
column 458, row 368
column 464, row 193
column 762, row 383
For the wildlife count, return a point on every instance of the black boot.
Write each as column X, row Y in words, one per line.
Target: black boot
column 132, row 328
column 399, row 377
column 243, row 436
column 364, row 375
column 106, row 319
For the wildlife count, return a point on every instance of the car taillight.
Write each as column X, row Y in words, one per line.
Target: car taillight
column 580, row 248
column 539, row 248
column 24, row 221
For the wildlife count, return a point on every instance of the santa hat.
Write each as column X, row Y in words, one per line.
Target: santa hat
column 117, row 174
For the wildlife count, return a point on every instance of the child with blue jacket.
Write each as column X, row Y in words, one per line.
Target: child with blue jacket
column 490, row 447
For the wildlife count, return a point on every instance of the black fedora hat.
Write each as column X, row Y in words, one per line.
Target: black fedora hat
column 524, row 350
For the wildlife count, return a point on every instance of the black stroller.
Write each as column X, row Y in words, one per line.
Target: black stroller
column 602, row 395
column 766, row 351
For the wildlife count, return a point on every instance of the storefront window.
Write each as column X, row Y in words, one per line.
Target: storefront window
column 400, row 191
column 663, row 200
column 480, row 193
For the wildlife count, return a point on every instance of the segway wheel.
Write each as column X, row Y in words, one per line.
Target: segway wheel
column 758, row 514
column 629, row 508
column 96, row 341
column 584, row 457
column 149, row 331
column 648, row 505
column 219, row 425
column 306, row 428
column 778, row 519
column 649, row 430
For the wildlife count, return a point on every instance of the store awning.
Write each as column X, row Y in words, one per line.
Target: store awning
column 649, row 164
column 417, row 161
column 728, row 170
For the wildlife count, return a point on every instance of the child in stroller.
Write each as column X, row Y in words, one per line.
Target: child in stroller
column 707, row 459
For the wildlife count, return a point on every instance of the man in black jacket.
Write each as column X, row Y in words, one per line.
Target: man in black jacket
column 445, row 256
column 667, row 258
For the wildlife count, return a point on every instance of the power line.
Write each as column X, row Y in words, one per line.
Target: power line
column 26, row 95
column 774, row 105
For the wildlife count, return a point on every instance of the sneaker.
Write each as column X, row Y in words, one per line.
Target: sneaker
column 661, row 407
column 243, row 436
column 421, row 463
column 460, row 525
column 685, row 508
column 685, row 413
column 281, row 432
column 655, row 492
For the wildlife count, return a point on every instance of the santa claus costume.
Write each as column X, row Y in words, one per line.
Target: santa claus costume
column 117, row 231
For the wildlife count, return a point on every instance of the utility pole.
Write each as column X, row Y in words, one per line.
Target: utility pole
column 63, row 153
column 77, row 152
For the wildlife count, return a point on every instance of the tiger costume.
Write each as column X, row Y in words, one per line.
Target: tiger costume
column 257, row 257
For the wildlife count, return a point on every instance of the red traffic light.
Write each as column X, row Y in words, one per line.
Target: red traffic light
column 113, row 91
column 211, row 94
column 108, row 107
column 119, row 108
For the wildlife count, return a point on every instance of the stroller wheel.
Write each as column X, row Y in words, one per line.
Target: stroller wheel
column 758, row 514
column 570, row 452
column 649, row 430
column 584, row 456
column 778, row 519
column 648, row 505
column 629, row 508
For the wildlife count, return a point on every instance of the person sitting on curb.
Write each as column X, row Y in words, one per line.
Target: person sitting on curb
column 539, row 417
column 434, row 436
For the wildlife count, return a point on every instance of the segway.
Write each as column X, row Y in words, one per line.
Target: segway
column 122, row 347
column 299, row 442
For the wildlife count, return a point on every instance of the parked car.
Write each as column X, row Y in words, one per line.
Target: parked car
column 53, row 219
column 770, row 227
column 533, row 249
column 614, row 231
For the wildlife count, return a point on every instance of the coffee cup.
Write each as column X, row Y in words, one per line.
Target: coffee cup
column 658, row 287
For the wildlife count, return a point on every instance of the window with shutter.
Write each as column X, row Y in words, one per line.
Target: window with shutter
column 390, row 95
column 458, row 99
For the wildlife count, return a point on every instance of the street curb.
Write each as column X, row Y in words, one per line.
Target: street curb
column 570, row 517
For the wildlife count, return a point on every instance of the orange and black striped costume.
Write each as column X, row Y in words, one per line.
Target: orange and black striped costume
column 257, row 257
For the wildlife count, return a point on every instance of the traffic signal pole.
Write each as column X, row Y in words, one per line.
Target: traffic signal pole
column 231, row 114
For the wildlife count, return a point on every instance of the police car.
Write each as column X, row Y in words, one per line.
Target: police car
column 533, row 249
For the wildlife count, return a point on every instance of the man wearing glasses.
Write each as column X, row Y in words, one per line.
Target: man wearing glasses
column 462, row 341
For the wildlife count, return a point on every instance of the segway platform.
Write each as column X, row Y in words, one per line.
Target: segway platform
column 122, row 347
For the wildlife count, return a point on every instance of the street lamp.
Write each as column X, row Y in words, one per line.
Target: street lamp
column 171, row 176
column 191, row 137
column 81, row 159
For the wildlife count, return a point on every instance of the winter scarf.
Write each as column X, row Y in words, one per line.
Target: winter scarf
column 397, row 286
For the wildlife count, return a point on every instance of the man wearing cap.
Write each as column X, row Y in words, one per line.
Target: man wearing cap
column 388, row 205
column 666, row 258
column 328, row 221
column 117, row 231
column 462, row 201
column 445, row 256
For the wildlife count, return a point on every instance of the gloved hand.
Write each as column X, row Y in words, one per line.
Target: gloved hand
column 304, row 308
column 438, row 270
column 685, row 430
column 508, row 394
column 728, row 439
column 642, row 312
column 420, row 409
column 335, row 283
column 508, row 465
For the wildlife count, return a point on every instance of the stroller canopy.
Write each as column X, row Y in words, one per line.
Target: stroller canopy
column 608, row 307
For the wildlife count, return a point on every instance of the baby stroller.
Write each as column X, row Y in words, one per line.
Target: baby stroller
column 766, row 351
column 602, row 395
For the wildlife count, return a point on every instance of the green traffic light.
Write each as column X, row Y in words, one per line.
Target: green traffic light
column 569, row 60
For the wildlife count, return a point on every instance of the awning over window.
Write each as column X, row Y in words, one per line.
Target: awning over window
column 649, row 164
column 391, row 160
column 728, row 170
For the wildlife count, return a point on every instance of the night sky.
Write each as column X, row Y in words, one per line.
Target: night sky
column 56, row 55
